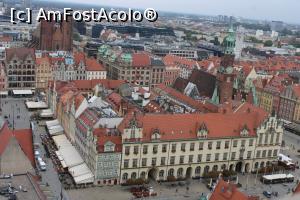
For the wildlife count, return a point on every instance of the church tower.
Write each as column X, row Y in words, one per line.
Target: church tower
column 225, row 75
column 56, row 35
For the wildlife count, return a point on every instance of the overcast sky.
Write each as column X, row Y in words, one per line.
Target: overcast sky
column 285, row 10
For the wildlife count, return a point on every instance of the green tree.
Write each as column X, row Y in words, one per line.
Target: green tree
column 268, row 43
column 76, row 37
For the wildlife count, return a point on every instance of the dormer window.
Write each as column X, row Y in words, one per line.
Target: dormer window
column 245, row 131
column 155, row 135
column 109, row 147
column 202, row 131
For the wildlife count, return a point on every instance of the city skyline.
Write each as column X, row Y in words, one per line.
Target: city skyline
column 255, row 9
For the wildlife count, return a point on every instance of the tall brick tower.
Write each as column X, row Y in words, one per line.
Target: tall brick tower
column 56, row 35
column 225, row 76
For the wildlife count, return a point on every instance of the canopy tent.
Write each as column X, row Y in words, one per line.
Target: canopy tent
column 61, row 141
column 36, row 105
column 69, row 157
column 47, row 113
column 4, row 93
column 79, row 170
column 52, row 123
column 87, row 178
column 67, row 151
column 284, row 158
column 22, row 92
column 56, row 130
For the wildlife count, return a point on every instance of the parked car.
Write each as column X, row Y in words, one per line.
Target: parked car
column 267, row 194
column 36, row 153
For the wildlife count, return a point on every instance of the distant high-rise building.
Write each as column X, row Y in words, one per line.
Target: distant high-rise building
column 2, row 7
column 56, row 35
column 277, row 25
column 26, row 3
column 239, row 44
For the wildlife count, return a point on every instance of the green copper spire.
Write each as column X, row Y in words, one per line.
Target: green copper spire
column 229, row 41
column 215, row 98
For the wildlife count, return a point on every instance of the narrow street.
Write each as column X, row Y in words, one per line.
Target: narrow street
column 49, row 176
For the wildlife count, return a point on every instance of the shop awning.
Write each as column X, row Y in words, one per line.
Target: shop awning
column 22, row 92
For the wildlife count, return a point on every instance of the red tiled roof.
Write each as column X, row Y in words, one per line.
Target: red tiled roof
column 104, row 136
column 6, row 39
column 176, row 60
column 247, row 108
column 90, row 84
column 181, row 97
column 93, row 65
column 141, row 60
column 88, row 119
column 78, row 57
column 78, row 100
column 153, row 107
column 114, row 99
column 186, row 126
column 21, row 53
column 42, row 60
column 24, row 138
column 227, row 191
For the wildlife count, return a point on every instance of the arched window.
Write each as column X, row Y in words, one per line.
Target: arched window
column 171, row 172
column 206, row 169
column 223, row 167
column 215, row 168
column 161, row 173
column 198, row 170
column 143, row 175
column 133, row 175
column 180, row 172
column 125, row 176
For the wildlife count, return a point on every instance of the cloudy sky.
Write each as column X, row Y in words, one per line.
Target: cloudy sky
column 286, row 10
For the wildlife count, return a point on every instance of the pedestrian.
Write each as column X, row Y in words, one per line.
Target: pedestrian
column 176, row 190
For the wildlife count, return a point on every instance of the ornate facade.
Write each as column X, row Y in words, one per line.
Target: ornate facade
column 190, row 145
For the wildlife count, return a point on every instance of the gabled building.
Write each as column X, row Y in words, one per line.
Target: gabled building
column 289, row 98
column 158, row 146
column 185, row 65
column 134, row 67
column 16, row 150
column 94, row 70
column 98, row 141
column 20, row 68
column 43, row 72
